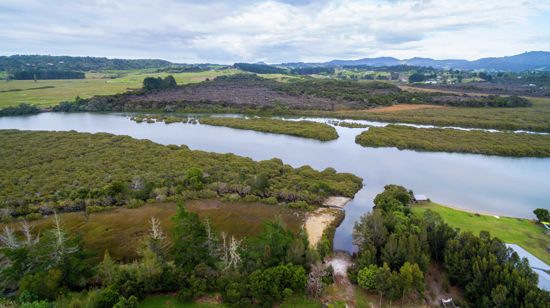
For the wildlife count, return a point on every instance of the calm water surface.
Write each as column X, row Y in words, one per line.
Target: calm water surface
column 497, row 185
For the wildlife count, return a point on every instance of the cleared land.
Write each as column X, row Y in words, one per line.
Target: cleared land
column 453, row 140
column 523, row 232
column 306, row 129
column 47, row 93
column 121, row 230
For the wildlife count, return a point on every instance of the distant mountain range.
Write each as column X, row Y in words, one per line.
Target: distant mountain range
column 533, row 60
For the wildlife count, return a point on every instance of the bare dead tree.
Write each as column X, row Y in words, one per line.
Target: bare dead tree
column 156, row 231
column 59, row 244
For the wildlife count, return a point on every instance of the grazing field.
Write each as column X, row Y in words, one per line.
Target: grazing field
column 306, row 129
column 535, row 118
column 522, row 232
column 46, row 93
column 121, row 230
column 453, row 140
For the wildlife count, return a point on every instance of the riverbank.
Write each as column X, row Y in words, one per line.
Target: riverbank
column 523, row 232
column 454, row 140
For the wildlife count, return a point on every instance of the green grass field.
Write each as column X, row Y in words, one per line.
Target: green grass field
column 170, row 301
column 522, row 232
column 46, row 93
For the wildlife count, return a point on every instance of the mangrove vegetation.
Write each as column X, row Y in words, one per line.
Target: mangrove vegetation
column 454, row 140
column 40, row 175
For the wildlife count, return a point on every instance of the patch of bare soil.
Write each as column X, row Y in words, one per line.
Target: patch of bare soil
column 403, row 107
column 342, row 289
column 336, row 201
column 317, row 222
column 438, row 287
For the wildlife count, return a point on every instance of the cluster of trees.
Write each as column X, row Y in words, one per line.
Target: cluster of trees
column 196, row 260
column 20, row 109
column 454, row 140
column 543, row 215
column 85, row 64
column 46, row 74
column 396, row 248
column 259, row 68
column 70, row 171
column 312, row 70
column 159, row 83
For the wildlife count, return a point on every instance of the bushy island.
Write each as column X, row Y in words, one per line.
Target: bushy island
column 305, row 129
column 398, row 247
column 453, row 140
column 69, row 171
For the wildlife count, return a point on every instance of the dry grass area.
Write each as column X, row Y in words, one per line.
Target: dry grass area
column 121, row 230
column 402, row 107
column 429, row 90
column 317, row 222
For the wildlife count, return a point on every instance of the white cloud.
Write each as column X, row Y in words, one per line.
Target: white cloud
column 273, row 31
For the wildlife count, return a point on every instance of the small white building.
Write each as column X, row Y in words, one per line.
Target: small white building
column 420, row 198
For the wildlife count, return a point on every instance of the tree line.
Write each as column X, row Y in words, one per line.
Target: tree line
column 45, row 75
column 396, row 248
column 84, row 64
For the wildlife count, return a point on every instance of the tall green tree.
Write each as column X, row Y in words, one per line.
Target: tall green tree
column 189, row 238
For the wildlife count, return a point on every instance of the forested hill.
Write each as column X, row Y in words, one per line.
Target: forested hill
column 41, row 62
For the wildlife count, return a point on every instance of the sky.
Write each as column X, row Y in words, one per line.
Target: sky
column 274, row 31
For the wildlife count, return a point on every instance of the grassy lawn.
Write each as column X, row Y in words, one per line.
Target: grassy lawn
column 522, row 232
column 121, row 230
column 50, row 92
column 169, row 301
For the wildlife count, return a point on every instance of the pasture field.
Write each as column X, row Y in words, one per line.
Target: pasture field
column 523, row 232
column 120, row 230
column 46, row 93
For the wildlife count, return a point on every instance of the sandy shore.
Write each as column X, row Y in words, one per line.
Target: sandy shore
column 336, row 202
column 316, row 223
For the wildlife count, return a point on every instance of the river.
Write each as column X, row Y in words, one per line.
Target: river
column 485, row 184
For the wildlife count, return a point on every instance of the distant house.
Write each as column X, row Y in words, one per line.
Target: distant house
column 420, row 198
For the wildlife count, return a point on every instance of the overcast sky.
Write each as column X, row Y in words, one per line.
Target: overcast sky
column 274, row 31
